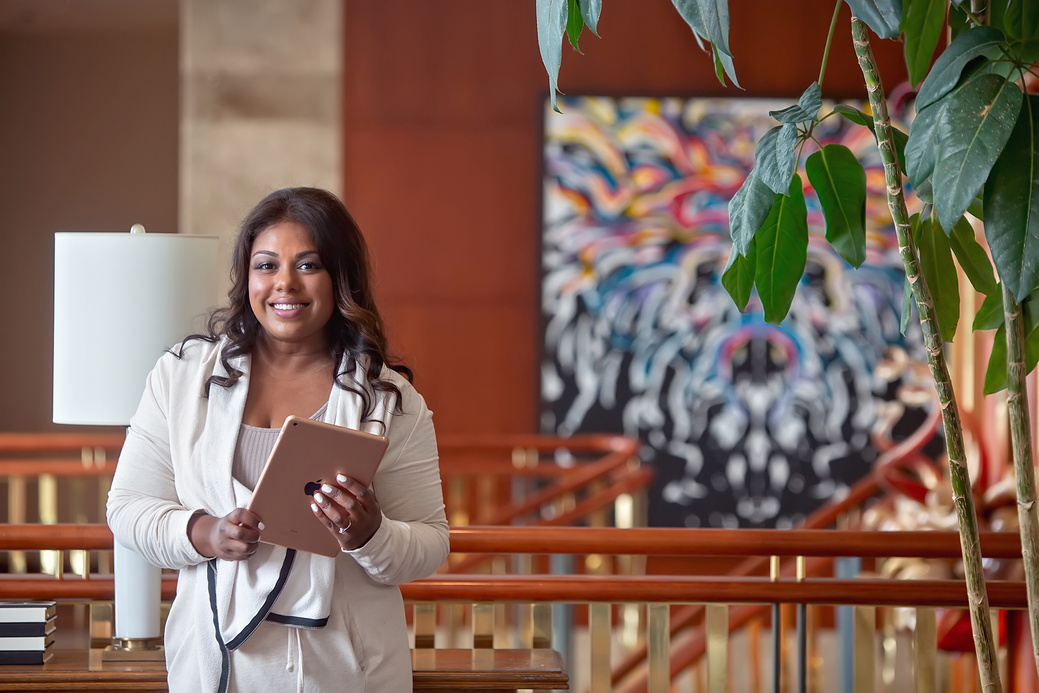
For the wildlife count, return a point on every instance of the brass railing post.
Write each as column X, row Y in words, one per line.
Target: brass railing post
column 925, row 646
column 659, row 648
column 802, row 632
column 483, row 625
column 541, row 620
column 865, row 648
column 425, row 620
column 16, row 501
column 774, row 566
column 716, row 620
column 47, row 493
column 600, row 631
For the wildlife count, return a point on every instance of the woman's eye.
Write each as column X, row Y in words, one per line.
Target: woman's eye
column 264, row 266
column 310, row 265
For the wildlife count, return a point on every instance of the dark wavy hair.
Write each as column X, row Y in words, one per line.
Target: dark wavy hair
column 355, row 330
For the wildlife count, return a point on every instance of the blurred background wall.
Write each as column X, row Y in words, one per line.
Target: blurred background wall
column 439, row 153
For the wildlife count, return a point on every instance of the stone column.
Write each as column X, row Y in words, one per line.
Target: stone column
column 259, row 106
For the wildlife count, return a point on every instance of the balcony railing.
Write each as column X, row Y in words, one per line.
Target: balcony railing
column 516, row 610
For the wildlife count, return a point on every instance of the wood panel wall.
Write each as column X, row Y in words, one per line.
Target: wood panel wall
column 442, row 162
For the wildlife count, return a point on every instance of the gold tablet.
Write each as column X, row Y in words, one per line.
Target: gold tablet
column 307, row 454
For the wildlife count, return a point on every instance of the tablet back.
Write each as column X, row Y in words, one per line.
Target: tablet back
column 306, row 454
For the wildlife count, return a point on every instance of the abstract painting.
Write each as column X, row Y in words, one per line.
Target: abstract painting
column 747, row 424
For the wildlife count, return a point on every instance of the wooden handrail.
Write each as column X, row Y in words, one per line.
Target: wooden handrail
column 638, row 541
column 592, row 443
column 611, row 589
column 707, row 589
column 63, row 468
column 581, row 476
column 725, row 542
column 21, row 443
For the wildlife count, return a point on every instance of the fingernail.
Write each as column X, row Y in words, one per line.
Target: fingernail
column 327, row 489
column 313, row 506
column 341, row 479
column 260, row 526
column 319, row 498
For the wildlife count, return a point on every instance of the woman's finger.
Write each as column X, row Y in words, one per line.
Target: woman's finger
column 359, row 492
column 338, row 526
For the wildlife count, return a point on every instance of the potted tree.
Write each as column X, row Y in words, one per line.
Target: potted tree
column 971, row 151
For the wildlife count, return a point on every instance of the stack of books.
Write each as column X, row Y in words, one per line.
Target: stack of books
column 27, row 632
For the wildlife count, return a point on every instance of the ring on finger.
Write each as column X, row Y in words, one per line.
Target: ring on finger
column 343, row 530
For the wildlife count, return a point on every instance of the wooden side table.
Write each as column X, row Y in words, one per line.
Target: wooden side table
column 437, row 671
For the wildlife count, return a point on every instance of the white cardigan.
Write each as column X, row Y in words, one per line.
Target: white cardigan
column 177, row 459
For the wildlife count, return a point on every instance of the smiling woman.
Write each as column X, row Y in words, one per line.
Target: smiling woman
column 290, row 291
column 301, row 335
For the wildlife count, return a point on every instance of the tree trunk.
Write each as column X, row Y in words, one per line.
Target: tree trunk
column 981, row 624
column 1024, row 471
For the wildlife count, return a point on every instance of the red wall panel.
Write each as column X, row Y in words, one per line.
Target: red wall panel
column 442, row 137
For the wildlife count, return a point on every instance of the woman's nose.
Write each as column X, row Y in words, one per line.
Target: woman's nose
column 286, row 279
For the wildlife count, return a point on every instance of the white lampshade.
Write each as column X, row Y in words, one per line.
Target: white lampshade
column 120, row 300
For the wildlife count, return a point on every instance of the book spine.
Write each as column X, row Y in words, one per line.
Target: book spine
column 25, row 630
column 25, row 657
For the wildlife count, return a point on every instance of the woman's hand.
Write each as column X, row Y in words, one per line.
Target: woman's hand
column 350, row 511
column 233, row 537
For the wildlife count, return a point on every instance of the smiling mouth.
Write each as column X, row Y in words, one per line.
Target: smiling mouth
column 288, row 306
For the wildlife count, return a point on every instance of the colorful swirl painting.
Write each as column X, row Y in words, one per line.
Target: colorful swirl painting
column 747, row 424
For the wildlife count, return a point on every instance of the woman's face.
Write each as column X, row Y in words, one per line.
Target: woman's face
column 290, row 290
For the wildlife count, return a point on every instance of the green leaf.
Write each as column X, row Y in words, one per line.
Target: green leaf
column 925, row 192
column 959, row 22
column 922, row 145
column 690, row 11
column 972, row 258
column 574, row 23
column 1031, row 351
column 977, row 207
column 782, row 251
column 922, row 27
column 996, row 373
column 715, row 14
column 1030, row 312
column 807, row 107
column 748, row 209
column 840, row 182
column 590, row 10
column 971, row 44
column 856, row 116
column 1012, row 205
column 738, row 277
column 907, row 306
column 723, row 66
column 882, row 16
column 990, row 314
column 971, row 134
column 995, row 12
column 940, row 273
column 1028, row 51
column 776, row 157
column 709, row 20
column 551, row 16
column 1021, row 19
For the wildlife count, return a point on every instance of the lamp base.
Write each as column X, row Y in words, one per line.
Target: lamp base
column 134, row 650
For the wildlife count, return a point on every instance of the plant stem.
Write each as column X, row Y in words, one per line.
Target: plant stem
column 829, row 39
column 1024, row 471
column 981, row 624
column 978, row 12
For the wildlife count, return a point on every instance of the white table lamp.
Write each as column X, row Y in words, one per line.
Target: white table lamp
column 120, row 300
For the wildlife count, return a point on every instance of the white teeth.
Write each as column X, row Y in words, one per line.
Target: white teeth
column 289, row 306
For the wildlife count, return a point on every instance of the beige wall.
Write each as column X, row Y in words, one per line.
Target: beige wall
column 88, row 141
